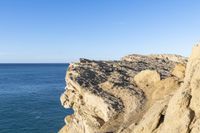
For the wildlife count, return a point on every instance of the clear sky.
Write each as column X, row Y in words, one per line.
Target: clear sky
column 65, row 30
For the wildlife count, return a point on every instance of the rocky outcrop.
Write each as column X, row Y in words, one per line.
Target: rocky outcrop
column 138, row 94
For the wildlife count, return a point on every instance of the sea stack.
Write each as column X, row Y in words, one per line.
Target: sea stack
column 137, row 94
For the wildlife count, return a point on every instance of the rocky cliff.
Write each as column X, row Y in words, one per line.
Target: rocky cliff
column 138, row 94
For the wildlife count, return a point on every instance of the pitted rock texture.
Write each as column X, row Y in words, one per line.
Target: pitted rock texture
column 138, row 94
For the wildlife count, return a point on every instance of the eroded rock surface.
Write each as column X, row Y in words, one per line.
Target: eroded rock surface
column 138, row 94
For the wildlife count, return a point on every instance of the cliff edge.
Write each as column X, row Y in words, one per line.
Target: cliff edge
column 138, row 94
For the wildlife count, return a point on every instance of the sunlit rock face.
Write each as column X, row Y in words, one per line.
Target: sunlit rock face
column 137, row 94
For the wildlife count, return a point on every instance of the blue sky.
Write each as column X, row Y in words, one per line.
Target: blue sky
column 65, row 30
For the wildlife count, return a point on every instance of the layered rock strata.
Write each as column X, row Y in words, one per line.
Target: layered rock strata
column 138, row 94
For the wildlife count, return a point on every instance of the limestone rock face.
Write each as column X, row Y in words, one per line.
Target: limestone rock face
column 147, row 77
column 138, row 94
column 179, row 71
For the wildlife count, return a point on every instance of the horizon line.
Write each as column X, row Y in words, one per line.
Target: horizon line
column 34, row 63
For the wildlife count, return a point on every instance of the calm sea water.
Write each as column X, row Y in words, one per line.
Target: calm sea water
column 29, row 98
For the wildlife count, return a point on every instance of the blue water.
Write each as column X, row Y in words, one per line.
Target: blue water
column 29, row 98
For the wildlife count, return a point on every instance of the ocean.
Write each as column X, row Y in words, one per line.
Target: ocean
column 30, row 98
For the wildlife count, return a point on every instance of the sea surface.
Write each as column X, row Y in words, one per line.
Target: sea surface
column 30, row 98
